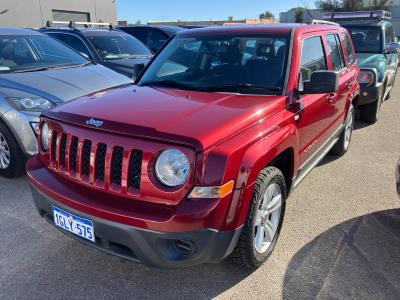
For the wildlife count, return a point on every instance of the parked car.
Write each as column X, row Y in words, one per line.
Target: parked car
column 377, row 55
column 110, row 47
column 243, row 115
column 37, row 73
column 154, row 37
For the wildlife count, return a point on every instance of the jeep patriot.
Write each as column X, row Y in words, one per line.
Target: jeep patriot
column 194, row 162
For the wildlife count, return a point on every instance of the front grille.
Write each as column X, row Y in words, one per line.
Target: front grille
column 118, row 158
column 74, row 153
column 107, row 165
column 135, row 169
column 63, row 149
column 87, row 149
column 101, row 161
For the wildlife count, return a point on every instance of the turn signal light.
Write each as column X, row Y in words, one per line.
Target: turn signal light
column 212, row 191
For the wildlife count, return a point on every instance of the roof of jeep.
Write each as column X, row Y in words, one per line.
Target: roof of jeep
column 258, row 29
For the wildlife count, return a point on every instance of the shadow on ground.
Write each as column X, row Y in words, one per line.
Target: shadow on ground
column 359, row 258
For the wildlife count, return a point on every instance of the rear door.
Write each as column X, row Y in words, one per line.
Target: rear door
column 317, row 111
column 337, row 102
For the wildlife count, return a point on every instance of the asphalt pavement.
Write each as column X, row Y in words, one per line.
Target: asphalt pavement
column 340, row 239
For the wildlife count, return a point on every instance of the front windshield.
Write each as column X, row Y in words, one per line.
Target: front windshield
column 238, row 64
column 20, row 53
column 366, row 39
column 118, row 46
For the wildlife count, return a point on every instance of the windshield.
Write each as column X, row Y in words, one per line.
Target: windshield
column 366, row 39
column 19, row 53
column 239, row 64
column 118, row 46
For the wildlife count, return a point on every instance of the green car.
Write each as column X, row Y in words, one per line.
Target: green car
column 377, row 55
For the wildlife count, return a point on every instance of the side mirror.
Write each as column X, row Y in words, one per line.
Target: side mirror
column 137, row 69
column 393, row 48
column 322, row 82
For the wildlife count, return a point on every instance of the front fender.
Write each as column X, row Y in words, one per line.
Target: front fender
column 256, row 158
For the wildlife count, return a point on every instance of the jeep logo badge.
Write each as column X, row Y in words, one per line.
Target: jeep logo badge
column 93, row 122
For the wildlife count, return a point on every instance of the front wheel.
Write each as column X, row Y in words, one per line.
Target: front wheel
column 343, row 144
column 264, row 222
column 12, row 160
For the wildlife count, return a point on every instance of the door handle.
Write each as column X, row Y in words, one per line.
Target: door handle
column 330, row 98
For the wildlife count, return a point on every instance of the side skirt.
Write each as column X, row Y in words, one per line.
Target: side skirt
column 308, row 165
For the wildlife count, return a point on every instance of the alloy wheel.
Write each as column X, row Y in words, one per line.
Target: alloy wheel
column 4, row 153
column 348, row 130
column 267, row 218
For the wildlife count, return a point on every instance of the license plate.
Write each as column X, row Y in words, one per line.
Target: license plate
column 76, row 225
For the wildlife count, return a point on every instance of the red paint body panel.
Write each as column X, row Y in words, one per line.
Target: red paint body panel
column 225, row 136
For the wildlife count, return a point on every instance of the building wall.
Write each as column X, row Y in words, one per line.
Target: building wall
column 35, row 13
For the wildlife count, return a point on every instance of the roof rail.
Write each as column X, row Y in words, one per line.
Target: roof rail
column 351, row 15
column 323, row 22
column 73, row 24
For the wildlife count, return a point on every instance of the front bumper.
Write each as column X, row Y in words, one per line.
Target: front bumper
column 370, row 94
column 20, row 125
column 158, row 249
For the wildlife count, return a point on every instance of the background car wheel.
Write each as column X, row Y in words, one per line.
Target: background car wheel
column 369, row 113
column 261, row 230
column 343, row 144
column 12, row 160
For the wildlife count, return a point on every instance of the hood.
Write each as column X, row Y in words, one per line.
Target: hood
column 373, row 60
column 125, row 66
column 198, row 119
column 64, row 84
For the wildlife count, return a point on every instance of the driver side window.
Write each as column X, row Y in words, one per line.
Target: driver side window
column 312, row 58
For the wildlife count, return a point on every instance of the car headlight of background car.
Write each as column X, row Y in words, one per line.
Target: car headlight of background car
column 32, row 103
column 172, row 168
column 367, row 77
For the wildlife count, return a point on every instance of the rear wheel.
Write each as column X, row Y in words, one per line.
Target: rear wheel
column 264, row 222
column 12, row 160
column 343, row 144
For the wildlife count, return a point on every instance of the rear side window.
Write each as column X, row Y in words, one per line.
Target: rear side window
column 312, row 57
column 335, row 51
column 351, row 56
column 73, row 41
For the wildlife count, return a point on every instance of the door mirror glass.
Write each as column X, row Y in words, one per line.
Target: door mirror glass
column 393, row 48
column 322, row 82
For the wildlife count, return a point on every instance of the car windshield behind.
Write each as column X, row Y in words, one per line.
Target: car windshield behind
column 22, row 53
column 238, row 64
column 366, row 39
column 118, row 46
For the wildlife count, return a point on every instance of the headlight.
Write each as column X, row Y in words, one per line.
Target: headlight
column 35, row 104
column 45, row 136
column 172, row 168
column 366, row 77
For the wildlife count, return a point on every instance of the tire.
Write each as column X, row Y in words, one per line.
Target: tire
column 343, row 144
column 10, row 148
column 369, row 113
column 246, row 252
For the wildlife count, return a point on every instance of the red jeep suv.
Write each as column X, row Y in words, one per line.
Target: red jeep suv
column 194, row 162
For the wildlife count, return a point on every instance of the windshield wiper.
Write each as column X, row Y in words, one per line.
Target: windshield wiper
column 32, row 70
column 170, row 83
column 244, row 86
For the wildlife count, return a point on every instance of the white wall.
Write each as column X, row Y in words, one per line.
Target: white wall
column 35, row 13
